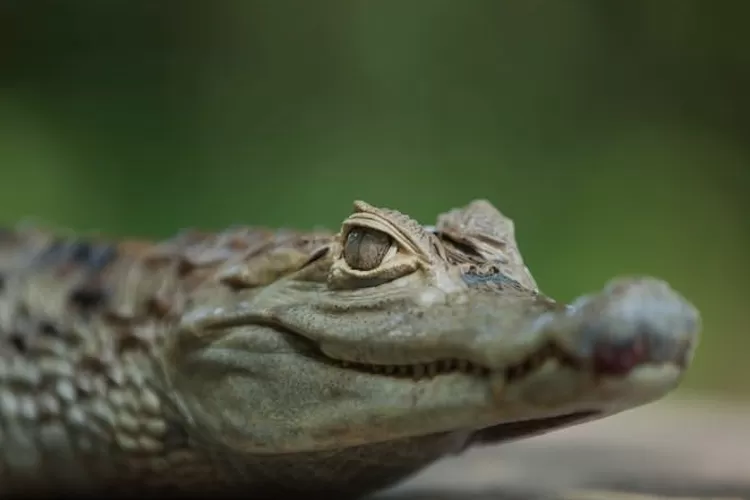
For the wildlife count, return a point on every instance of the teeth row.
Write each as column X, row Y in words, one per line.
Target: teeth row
column 422, row 370
column 433, row 369
column 528, row 365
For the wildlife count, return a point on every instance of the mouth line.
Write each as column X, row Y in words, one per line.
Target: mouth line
column 448, row 366
column 431, row 369
column 606, row 359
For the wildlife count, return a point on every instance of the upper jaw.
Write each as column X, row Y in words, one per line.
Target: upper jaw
column 632, row 322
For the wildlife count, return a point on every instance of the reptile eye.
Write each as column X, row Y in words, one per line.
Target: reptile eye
column 365, row 249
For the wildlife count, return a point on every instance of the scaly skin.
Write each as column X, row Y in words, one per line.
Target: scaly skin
column 283, row 360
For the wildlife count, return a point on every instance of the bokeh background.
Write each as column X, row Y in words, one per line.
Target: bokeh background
column 615, row 134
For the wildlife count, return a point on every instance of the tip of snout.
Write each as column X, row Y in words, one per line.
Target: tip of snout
column 633, row 322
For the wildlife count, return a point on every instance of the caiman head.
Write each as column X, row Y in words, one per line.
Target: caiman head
column 391, row 330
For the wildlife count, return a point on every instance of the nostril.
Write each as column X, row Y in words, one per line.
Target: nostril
column 619, row 358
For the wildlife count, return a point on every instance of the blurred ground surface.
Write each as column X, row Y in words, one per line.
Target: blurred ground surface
column 681, row 448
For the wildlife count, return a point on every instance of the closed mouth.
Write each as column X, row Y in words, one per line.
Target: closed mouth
column 420, row 371
column 607, row 359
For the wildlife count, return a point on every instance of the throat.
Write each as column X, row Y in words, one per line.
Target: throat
column 355, row 471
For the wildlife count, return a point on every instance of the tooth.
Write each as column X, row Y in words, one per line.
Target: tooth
column 418, row 371
column 403, row 369
column 390, row 369
column 446, row 365
column 477, row 370
column 463, row 365
column 432, row 369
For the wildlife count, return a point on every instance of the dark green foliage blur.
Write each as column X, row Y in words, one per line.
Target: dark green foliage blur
column 615, row 134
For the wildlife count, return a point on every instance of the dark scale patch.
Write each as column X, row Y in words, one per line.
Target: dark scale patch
column 48, row 329
column 93, row 256
column 101, row 256
column 158, row 307
column 93, row 363
column 131, row 342
column 81, row 252
column 19, row 342
column 87, row 298
column 473, row 278
column 184, row 267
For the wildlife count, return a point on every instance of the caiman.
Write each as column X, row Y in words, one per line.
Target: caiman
column 266, row 361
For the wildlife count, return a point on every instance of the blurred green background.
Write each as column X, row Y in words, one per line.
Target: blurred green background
column 614, row 134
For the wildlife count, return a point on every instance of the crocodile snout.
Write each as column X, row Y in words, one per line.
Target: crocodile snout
column 632, row 322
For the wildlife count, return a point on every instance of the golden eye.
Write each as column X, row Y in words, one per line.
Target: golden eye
column 365, row 249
